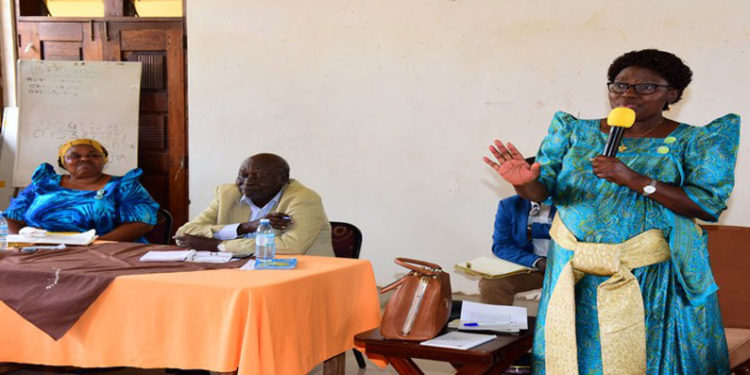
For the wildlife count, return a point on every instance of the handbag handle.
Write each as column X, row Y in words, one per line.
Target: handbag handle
column 429, row 269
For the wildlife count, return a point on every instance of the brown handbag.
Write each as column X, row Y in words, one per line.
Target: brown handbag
column 419, row 309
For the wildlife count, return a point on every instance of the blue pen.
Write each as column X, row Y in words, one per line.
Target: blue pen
column 477, row 324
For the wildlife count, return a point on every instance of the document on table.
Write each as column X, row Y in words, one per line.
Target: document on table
column 187, row 256
column 459, row 340
column 486, row 317
column 42, row 236
column 491, row 268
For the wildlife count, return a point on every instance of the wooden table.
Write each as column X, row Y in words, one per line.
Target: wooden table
column 490, row 358
column 257, row 322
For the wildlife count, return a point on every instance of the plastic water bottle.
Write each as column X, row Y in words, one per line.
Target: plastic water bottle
column 3, row 233
column 265, row 244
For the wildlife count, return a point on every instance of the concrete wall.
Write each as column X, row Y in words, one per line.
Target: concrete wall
column 387, row 107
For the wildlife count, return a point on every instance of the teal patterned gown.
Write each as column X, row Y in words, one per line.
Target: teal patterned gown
column 47, row 205
column 684, row 332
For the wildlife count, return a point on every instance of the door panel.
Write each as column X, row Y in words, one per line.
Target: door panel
column 61, row 31
column 59, row 40
column 163, row 132
column 62, row 51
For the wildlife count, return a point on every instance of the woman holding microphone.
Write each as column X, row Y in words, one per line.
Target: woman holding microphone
column 628, row 287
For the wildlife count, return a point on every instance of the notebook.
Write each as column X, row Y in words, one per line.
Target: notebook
column 187, row 256
column 459, row 340
column 44, row 237
column 491, row 267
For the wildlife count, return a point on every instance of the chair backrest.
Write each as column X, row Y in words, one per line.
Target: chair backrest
column 162, row 231
column 346, row 239
column 729, row 250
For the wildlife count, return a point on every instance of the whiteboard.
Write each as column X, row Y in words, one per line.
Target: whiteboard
column 63, row 100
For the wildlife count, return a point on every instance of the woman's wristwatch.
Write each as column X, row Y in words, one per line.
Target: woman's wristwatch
column 650, row 188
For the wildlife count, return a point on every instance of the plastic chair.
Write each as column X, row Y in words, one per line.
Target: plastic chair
column 162, row 231
column 347, row 241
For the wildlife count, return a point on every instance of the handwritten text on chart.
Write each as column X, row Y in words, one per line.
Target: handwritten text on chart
column 109, row 134
column 58, row 81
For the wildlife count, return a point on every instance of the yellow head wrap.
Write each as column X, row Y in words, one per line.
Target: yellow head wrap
column 80, row 141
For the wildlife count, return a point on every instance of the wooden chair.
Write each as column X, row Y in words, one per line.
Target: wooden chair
column 347, row 241
column 729, row 250
column 162, row 231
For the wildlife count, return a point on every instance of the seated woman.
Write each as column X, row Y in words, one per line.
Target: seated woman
column 119, row 208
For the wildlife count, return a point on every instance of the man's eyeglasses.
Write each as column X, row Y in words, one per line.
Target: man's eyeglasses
column 640, row 88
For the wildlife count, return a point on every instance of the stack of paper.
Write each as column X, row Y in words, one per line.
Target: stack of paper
column 167, row 256
column 492, row 268
column 485, row 317
column 212, row 257
column 187, row 256
column 459, row 340
column 42, row 236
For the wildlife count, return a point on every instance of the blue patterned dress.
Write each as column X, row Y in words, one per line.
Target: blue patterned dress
column 47, row 205
column 684, row 332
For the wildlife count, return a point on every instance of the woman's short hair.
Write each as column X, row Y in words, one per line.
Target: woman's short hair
column 65, row 147
column 663, row 63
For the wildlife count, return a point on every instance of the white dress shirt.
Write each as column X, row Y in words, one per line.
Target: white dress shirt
column 540, row 213
column 229, row 232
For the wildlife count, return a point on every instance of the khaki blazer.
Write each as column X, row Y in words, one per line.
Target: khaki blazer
column 309, row 234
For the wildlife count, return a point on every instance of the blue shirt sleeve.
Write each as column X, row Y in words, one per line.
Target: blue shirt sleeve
column 709, row 164
column 504, row 244
column 135, row 203
column 18, row 206
column 554, row 147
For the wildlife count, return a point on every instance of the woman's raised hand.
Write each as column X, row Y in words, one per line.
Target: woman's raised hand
column 511, row 165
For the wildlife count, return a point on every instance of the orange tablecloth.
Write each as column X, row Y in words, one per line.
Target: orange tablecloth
column 259, row 322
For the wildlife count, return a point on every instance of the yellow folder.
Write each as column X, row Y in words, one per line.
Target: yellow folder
column 491, row 268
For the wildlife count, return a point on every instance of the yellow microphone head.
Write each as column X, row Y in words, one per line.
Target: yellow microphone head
column 623, row 117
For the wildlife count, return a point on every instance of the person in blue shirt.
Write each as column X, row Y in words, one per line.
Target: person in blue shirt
column 521, row 236
column 118, row 207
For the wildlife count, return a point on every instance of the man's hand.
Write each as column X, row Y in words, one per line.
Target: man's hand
column 279, row 221
column 197, row 242
column 541, row 265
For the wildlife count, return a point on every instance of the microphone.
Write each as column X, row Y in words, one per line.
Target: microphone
column 619, row 119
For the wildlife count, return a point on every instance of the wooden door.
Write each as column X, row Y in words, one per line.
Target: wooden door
column 162, row 131
column 158, row 44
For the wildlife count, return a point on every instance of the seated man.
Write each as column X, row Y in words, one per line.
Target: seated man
column 263, row 190
column 521, row 236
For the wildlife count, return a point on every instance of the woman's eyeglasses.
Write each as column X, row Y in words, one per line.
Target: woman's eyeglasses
column 640, row 88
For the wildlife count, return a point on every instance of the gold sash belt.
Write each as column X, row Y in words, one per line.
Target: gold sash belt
column 619, row 301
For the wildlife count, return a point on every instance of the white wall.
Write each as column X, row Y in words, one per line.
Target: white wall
column 387, row 107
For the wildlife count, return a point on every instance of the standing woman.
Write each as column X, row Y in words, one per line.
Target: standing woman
column 119, row 208
column 628, row 287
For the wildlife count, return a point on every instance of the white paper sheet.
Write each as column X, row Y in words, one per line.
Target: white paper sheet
column 167, row 256
column 486, row 317
column 459, row 340
column 68, row 238
column 211, row 257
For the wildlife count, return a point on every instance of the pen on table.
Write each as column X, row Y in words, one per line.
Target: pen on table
column 477, row 324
